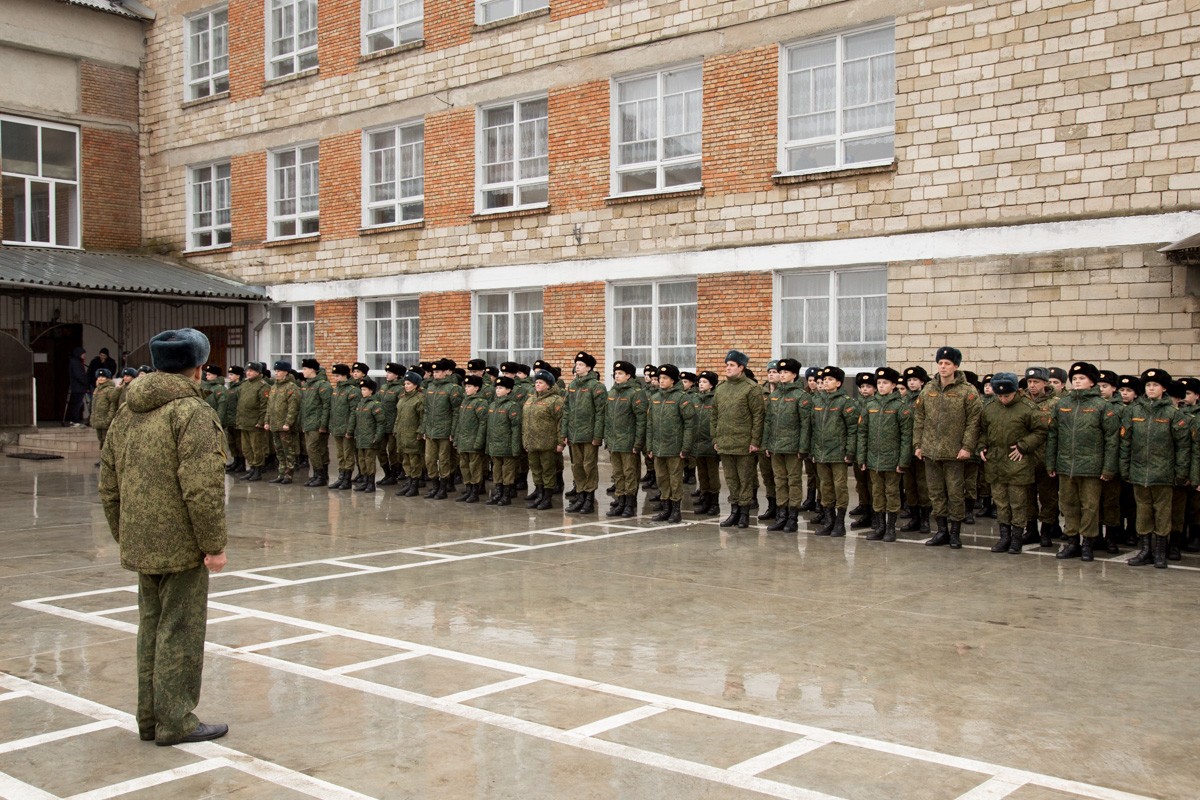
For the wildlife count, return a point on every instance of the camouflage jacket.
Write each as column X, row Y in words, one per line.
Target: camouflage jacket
column 470, row 425
column 342, row 403
column 388, row 394
column 884, row 440
column 366, row 423
column 442, row 399
column 946, row 419
column 702, row 446
column 252, row 404
column 1084, row 438
column 212, row 391
column 410, row 409
column 671, row 427
column 316, row 400
column 1022, row 424
column 283, row 405
column 834, row 428
column 1045, row 405
column 541, row 418
column 1156, row 443
column 625, row 417
column 162, row 476
column 737, row 416
column 228, row 404
column 504, row 427
column 786, row 418
column 584, row 411
column 105, row 402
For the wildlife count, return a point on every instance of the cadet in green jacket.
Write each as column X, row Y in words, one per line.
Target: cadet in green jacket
column 213, row 385
column 366, row 431
column 1011, row 429
column 252, row 419
column 541, row 419
column 410, row 411
column 786, row 422
column 470, row 438
column 737, row 425
column 625, row 413
column 832, row 445
column 650, row 387
column 765, row 466
column 443, row 396
column 227, row 412
column 584, row 412
column 389, row 392
column 105, row 401
column 342, row 402
column 708, row 463
column 1110, row 492
column 670, row 431
column 1156, row 455
column 283, row 415
column 1043, row 493
column 1082, row 450
column 884, row 450
column 864, row 383
column 811, row 376
column 916, row 488
column 316, row 404
column 504, row 441
column 945, row 434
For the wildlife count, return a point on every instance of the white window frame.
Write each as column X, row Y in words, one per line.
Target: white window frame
column 659, row 163
column 839, row 138
column 394, row 323
column 301, row 332
column 517, row 185
column 214, row 229
column 484, row 7
column 215, row 81
column 299, row 218
column 398, row 204
column 298, row 58
column 834, row 344
column 510, row 351
column 402, row 32
column 53, row 187
column 655, row 345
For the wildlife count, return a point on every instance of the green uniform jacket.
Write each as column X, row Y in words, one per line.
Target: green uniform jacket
column 786, row 416
column 834, row 428
column 105, row 401
column 884, row 439
column 1022, row 423
column 1156, row 443
column 316, row 401
column 442, row 399
column 283, row 406
column 470, row 425
column 946, row 419
column 703, row 446
column 228, row 406
column 504, row 427
column 625, row 417
column 584, row 411
column 212, row 391
column 366, row 423
column 737, row 416
column 1084, row 438
column 388, row 394
column 410, row 410
column 252, row 404
column 671, row 427
column 341, row 406
column 1045, row 405
column 522, row 388
column 541, row 418
column 162, row 476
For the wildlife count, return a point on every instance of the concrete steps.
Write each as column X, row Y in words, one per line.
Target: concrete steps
column 70, row 443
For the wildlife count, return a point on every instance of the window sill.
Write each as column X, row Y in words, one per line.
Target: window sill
column 510, row 213
column 416, row 44
column 784, row 179
column 513, row 20
column 306, row 239
column 42, row 245
column 295, row 76
column 623, row 199
column 203, row 251
column 403, row 226
column 203, row 101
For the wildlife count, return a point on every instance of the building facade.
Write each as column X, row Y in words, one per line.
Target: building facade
column 847, row 182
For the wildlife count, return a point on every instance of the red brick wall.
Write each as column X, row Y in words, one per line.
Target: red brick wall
column 733, row 311
column 561, row 9
column 740, row 108
column 109, row 92
column 445, row 325
column 111, row 202
column 448, row 23
column 248, row 189
column 578, row 140
column 247, row 19
column 573, row 320
column 449, row 167
column 338, row 28
column 335, row 334
column 341, row 186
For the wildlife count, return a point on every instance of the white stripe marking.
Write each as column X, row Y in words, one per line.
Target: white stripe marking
column 618, row 720
column 491, row 688
column 994, row 789
column 13, row 789
column 378, row 662
column 152, row 780
column 307, row 637
column 780, row 755
column 13, row 696
column 55, row 736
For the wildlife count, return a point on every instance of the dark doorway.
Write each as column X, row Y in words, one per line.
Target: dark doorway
column 16, row 389
column 52, row 344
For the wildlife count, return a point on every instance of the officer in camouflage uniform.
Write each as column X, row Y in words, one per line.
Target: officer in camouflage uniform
column 283, row 417
column 252, row 419
column 884, row 449
column 162, row 487
column 786, row 429
column 213, row 385
column 470, row 438
column 737, row 425
column 342, row 402
column 410, row 411
column 1011, row 429
column 127, row 377
column 625, row 436
column 916, row 488
column 105, row 401
column 504, row 441
column 443, row 396
column 367, row 432
column 584, row 412
column 541, row 422
column 227, row 412
column 316, row 404
column 832, row 444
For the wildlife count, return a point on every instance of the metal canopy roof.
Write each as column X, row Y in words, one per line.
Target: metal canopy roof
column 1190, row 243
column 134, row 9
column 81, row 271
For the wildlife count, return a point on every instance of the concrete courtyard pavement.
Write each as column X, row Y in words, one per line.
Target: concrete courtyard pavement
column 385, row 647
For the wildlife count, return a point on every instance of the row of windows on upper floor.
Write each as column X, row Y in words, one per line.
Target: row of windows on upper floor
column 836, row 111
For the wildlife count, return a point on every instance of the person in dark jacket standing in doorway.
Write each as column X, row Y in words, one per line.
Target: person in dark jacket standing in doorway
column 80, row 385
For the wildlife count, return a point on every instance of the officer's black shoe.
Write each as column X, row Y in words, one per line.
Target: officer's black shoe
column 545, row 502
column 255, row 474
column 926, row 513
column 532, row 502
column 743, row 520
column 370, row 487
column 675, row 515
column 389, row 477
column 955, row 540
column 839, row 524
column 654, row 498
column 732, row 519
column 771, row 512
column 859, row 510
column 867, row 521
column 1085, row 549
column 781, row 519
column 589, row 503
column 889, row 528
column 1069, row 549
column 714, row 505
column 689, row 475
column 942, row 537
column 969, row 517
column 1143, row 556
column 827, row 522
column 359, row 479
column 630, row 508
column 1160, row 551
column 502, row 498
column 1173, row 551
column 810, row 500
column 571, row 495
column 1005, row 539
column 576, row 504
column 793, row 523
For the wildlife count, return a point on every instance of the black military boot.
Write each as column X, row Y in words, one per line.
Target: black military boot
column 664, row 511
column 351, row 481
column 877, row 526
column 314, row 480
column 497, row 493
column 589, row 503
column 1174, row 553
column 576, row 501
column 914, row 522
column 675, row 511
column 781, row 519
column 743, row 520
column 370, row 487
column 232, row 466
column 389, row 476
column 1085, row 549
column 546, row 501
column 571, row 495
column 689, row 475
column 435, row 487
column 445, row 486
column 336, row 484
column 839, row 523
column 612, row 489
column 859, row 510
column 826, row 521
column 1191, row 543
column 955, row 539
column 867, row 520
column 616, row 507
column 732, row 519
column 1070, row 548
column 1031, row 534
column 361, row 487
column 819, row 519
column 466, row 492
column 772, row 511
column 1160, row 551
column 255, row 474
column 1143, row 556
column 942, row 537
column 1006, row 536
column 1014, row 546
column 889, row 527
column 414, row 487
column 278, row 477
column 507, row 492
column 793, row 522
column 629, row 510
column 1046, row 535
column 810, row 499
column 532, row 502
column 649, row 481
column 969, row 517
column 926, row 513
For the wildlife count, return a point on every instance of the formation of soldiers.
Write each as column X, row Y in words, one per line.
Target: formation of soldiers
column 1095, row 459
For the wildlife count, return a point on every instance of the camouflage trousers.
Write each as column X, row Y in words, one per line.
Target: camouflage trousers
column 625, row 473
column 317, row 444
column 669, row 470
column 1079, row 499
column 389, row 452
column 413, row 463
column 788, row 471
column 916, row 487
column 439, row 458
column 1010, row 504
column 584, row 458
column 1110, row 503
column 100, row 434
column 1043, row 496
column 254, row 445
column 172, row 615
column 834, row 492
column 542, row 465
column 708, row 473
column 343, row 448
column 504, row 470
column 287, row 449
column 367, row 458
column 233, row 438
column 946, row 493
column 863, row 486
column 739, row 477
column 1153, row 509
column 885, row 491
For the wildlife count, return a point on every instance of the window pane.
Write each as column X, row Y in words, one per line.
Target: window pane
column 816, row 328
column 493, row 303
column 875, row 319
column 682, row 292
column 527, row 301
column 633, row 294
column 806, row 284
column 18, row 148
column 850, row 320
column 875, row 148
column 792, row 312
column 860, row 282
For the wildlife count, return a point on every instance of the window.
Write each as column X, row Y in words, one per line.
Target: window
column 391, row 23
column 208, row 54
column 657, row 132
column 292, row 334
column 839, row 102
column 208, row 206
column 293, row 43
column 837, row 317
column 39, row 163
column 395, row 175
column 508, row 326
column 294, row 192
column 514, row 155
column 655, row 323
column 492, row 10
column 392, row 332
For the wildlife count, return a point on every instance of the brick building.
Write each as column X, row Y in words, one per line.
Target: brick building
column 846, row 182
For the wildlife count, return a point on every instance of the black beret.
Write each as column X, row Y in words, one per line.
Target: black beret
column 626, row 367
column 342, row 369
column 177, row 351
column 476, row 364
column 790, row 365
column 369, row 383
column 586, row 358
column 505, row 381
column 887, row 374
column 952, row 354
column 670, row 370
column 1086, row 369
column 310, row 363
